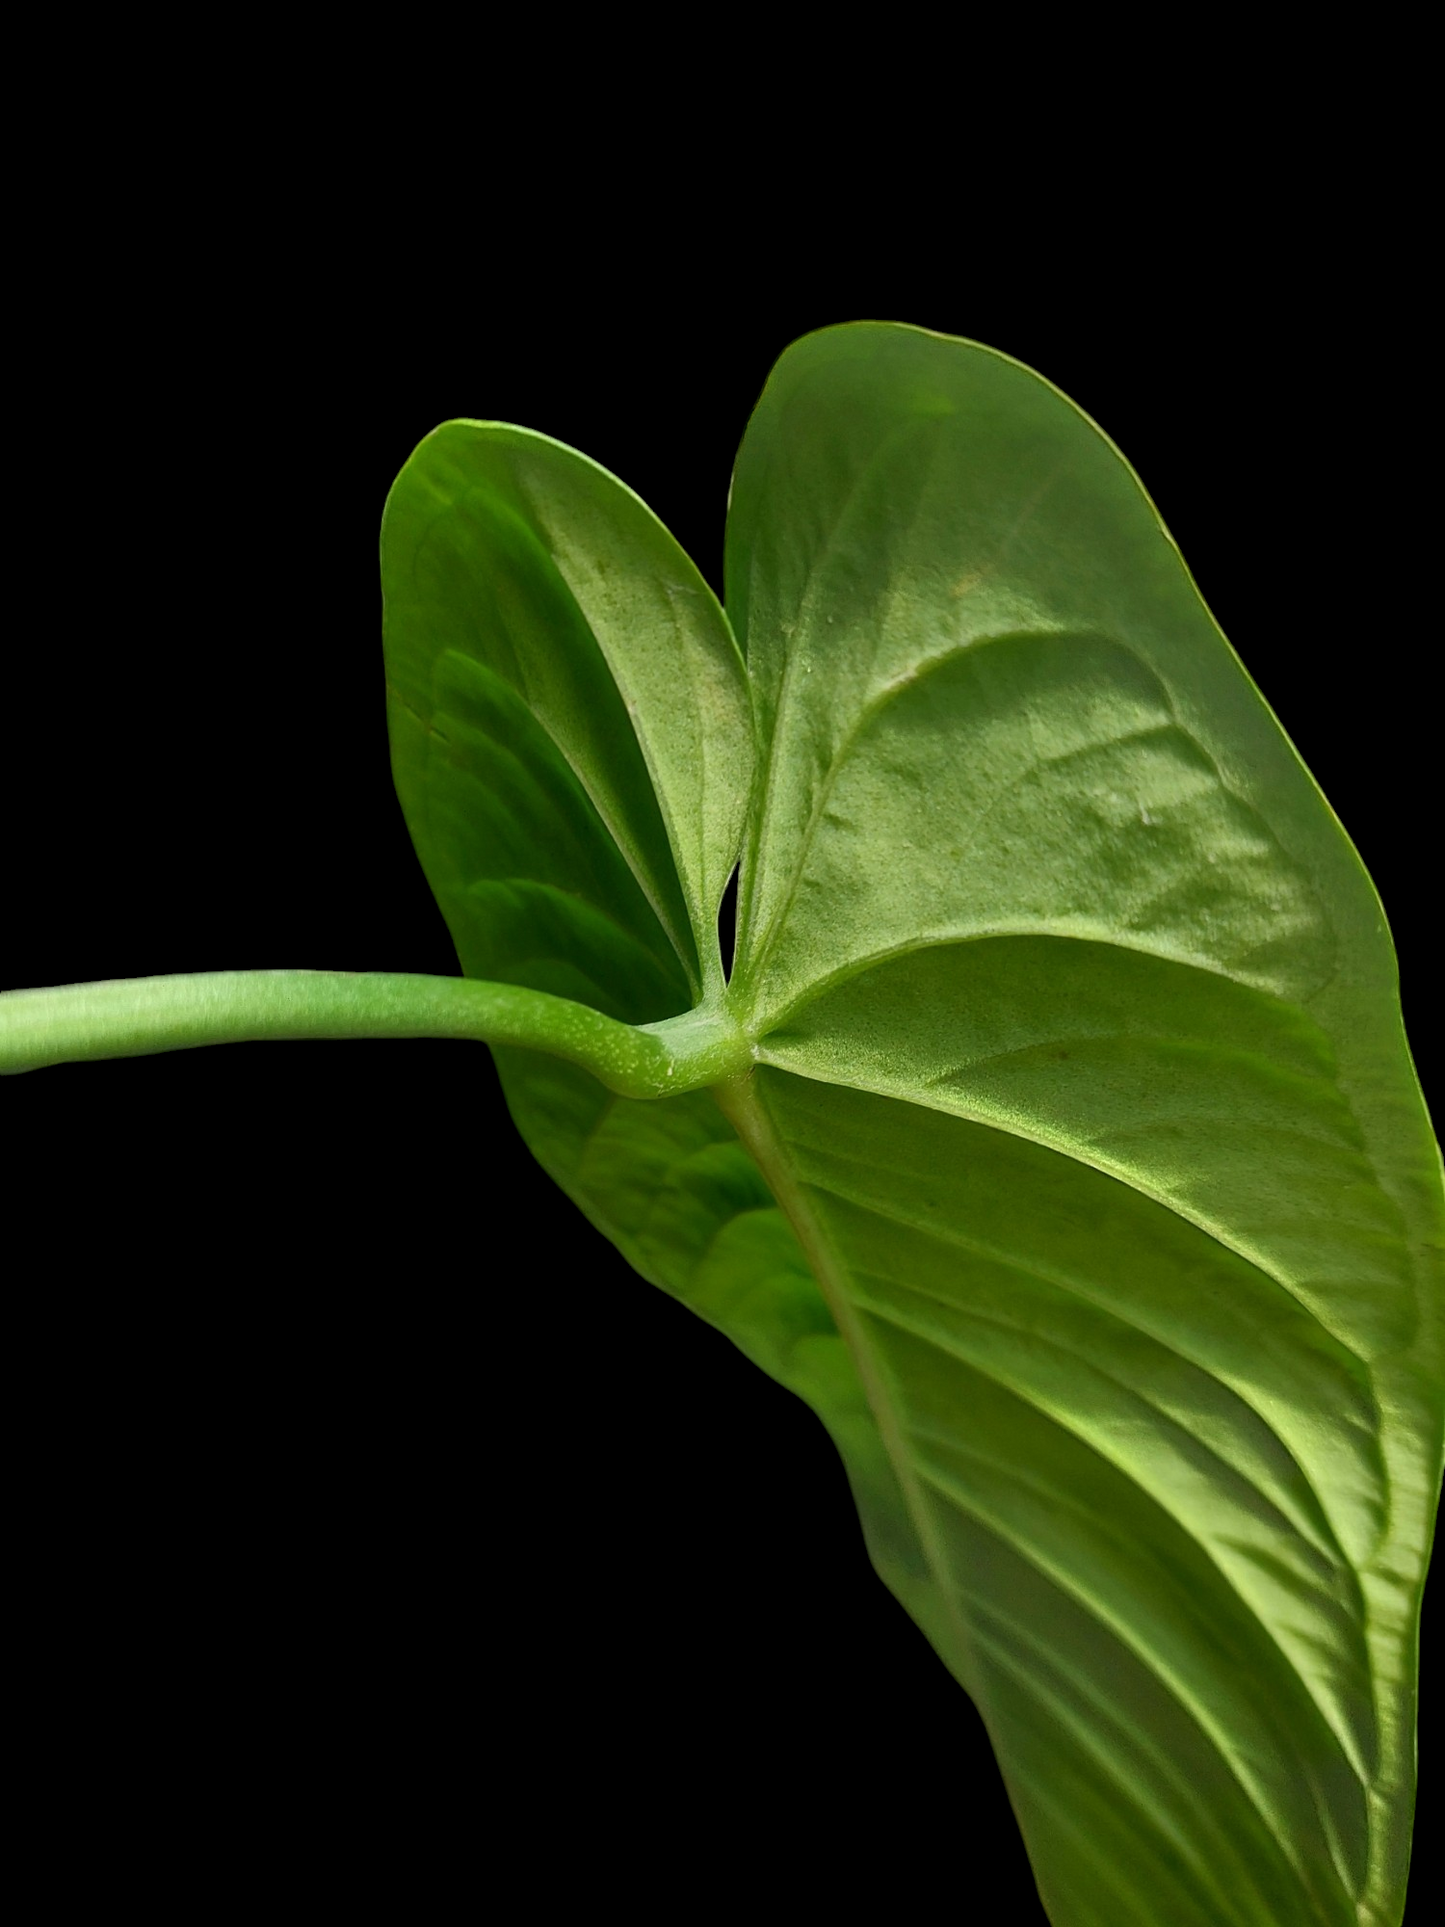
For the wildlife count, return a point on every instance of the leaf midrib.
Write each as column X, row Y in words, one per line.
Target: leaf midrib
column 743, row 1108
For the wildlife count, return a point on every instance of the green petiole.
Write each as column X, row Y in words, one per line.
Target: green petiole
column 74, row 1023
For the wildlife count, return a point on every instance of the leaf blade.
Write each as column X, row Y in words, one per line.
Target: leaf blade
column 1099, row 1603
column 1014, row 779
column 1039, row 910
column 530, row 594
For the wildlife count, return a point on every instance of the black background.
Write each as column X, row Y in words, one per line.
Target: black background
column 372, row 1511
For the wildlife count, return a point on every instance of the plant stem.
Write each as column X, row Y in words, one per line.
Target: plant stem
column 137, row 1016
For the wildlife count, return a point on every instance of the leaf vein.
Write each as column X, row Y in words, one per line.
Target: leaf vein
column 1081, row 1597
column 1344, row 1743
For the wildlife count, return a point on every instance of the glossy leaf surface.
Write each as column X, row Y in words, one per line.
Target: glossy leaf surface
column 1082, row 1187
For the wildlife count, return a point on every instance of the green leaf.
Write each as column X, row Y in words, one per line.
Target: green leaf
column 570, row 721
column 1082, row 1186
column 1097, row 1099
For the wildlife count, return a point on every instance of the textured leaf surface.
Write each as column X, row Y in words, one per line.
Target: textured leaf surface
column 569, row 711
column 1083, row 1187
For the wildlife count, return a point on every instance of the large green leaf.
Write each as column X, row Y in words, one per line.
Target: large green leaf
column 1082, row 1185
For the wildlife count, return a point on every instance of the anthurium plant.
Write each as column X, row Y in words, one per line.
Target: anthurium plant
column 1051, row 1128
